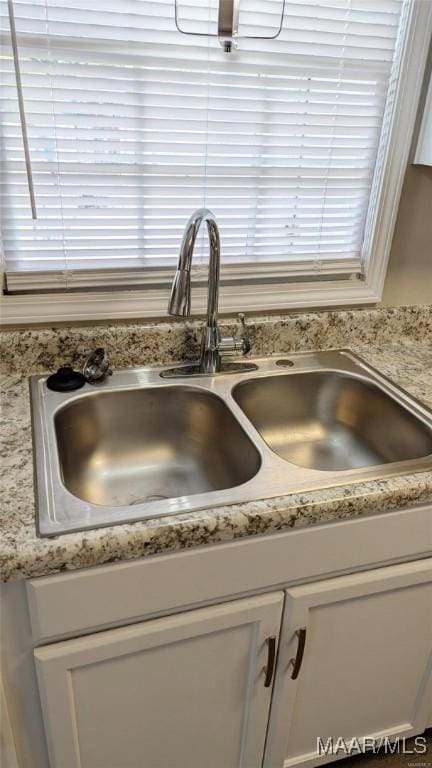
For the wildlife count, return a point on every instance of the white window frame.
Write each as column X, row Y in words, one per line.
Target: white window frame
column 278, row 295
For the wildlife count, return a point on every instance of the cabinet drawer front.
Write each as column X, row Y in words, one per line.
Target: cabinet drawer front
column 71, row 604
column 185, row 691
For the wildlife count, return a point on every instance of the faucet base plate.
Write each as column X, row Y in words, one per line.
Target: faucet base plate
column 183, row 371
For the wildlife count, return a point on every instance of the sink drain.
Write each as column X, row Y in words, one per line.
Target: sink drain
column 147, row 499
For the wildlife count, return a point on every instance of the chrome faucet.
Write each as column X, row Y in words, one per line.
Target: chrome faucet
column 213, row 346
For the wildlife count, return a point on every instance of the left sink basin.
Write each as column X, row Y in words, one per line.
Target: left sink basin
column 122, row 448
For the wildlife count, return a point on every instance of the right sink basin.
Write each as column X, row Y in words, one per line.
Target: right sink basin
column 331, row 420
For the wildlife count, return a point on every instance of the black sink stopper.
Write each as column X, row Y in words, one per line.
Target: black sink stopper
column 65, row 380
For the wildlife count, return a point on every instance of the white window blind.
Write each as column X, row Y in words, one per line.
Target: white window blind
column 132, row 125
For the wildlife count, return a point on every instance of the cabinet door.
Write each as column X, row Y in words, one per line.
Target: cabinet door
column 366, row 667
column 184, row 691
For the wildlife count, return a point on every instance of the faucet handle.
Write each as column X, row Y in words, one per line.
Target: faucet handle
column 245, row 333
column 231, row 345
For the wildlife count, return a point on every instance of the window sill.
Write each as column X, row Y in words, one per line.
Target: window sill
column 152, row 303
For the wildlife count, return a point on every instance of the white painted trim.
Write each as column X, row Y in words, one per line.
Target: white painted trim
column 405, row 94
column 403, row 103
column 152, row 303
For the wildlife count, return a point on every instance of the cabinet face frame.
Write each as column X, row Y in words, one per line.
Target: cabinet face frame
column 299, row 603
column 258, row 617
column 189, row 579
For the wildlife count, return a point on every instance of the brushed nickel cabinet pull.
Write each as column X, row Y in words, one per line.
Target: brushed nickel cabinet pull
column 301, row 634
column 271, row 661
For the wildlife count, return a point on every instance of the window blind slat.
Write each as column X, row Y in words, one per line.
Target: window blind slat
column 132, row 125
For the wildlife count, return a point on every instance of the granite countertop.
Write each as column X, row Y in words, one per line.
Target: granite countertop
column 398, row 343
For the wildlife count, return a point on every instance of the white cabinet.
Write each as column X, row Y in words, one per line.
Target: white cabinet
column 8, row 757
column 189, row 690
column 185, row 691
column 367, row 663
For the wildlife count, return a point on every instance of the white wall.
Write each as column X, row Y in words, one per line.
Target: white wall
column 409, row 276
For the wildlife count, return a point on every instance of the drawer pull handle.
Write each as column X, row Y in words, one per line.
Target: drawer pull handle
column 271, row 661
column 301, row 634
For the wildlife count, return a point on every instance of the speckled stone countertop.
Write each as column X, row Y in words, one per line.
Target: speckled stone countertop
column 396, row 341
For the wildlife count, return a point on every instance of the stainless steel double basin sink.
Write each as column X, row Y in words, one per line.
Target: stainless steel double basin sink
column 140, row 445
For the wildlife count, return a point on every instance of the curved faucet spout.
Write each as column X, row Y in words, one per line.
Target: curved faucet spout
column 179, row 303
